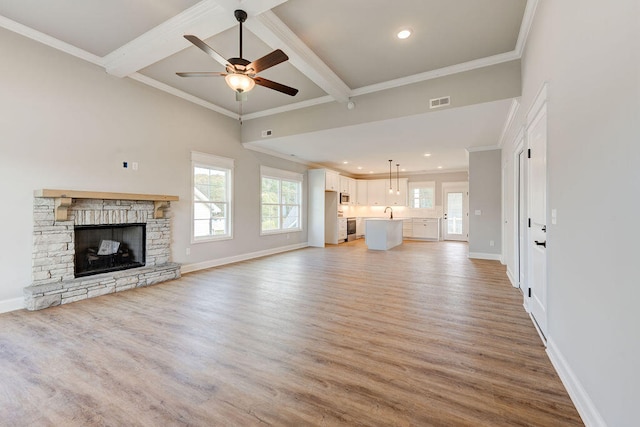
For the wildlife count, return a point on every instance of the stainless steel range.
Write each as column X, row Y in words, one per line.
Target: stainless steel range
column 351, row 229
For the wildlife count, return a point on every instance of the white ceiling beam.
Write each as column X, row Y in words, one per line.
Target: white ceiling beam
column 277, row 35
column 205, row 19
column 252, row 7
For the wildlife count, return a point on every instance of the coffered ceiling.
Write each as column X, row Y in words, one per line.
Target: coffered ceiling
column 338, row 50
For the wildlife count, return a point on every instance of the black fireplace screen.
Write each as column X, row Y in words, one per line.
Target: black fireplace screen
column 104, row 248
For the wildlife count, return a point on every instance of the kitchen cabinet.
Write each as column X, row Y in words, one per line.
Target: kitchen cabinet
column 395, row 199
column 383, row 234
column 342, row 229
column 361, row 192
column 332, row 180
column 359, row 227
column 348, row 185
column 376, row 192
column 426, row 228
column 322, row 214
column 407, row 227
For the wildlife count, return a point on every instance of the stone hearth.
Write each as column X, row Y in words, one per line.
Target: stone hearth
column 54, row 253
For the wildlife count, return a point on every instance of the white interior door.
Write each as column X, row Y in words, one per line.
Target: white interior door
column 521, row 207
column 537, row 239
column 455, row 211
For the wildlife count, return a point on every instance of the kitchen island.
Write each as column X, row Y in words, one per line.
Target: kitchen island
column 383, row 233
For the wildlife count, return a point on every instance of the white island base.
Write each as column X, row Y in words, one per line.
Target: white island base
column 382, row 233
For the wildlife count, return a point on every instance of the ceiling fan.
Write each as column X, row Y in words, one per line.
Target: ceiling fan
column 241, row 73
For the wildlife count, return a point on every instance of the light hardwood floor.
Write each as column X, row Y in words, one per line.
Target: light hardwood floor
column 419, row 335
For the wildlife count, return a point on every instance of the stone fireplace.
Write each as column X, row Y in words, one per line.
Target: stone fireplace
column 69, row 265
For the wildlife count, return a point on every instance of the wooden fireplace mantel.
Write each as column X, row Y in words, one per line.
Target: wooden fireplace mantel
column 64, row 198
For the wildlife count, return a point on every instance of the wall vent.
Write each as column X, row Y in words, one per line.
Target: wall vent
column 440, row 102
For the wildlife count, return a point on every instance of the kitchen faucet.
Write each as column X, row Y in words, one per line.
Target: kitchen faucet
column 385, row 211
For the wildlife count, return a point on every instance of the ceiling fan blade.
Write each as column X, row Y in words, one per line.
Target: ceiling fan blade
column 268, row 61
column 275, row 86
column 207, row 49
column 201, row 74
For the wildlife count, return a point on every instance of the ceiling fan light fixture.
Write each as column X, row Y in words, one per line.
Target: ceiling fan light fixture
column 239, row 82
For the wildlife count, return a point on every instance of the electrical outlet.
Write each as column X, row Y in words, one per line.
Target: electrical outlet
column 125, row 164
column 134, row 166
column 491, row 243
column 188, row 251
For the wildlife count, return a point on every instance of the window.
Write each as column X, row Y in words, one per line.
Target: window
column 212, row 207
column 422, row 194
column 281, row 207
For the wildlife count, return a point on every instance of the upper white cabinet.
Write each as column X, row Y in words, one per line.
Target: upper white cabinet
column 348, row 186
column 376, row 192
column 332, row 180
column 361, row 192
column 396, row 198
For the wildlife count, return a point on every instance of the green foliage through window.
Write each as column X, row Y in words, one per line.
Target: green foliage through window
column 281, row 204
column 211, row 196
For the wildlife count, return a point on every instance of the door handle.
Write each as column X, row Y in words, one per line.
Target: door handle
column 543, row 244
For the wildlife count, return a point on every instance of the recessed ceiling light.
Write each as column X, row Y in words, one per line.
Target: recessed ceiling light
column 439, row 167
column 404, row 33
column 403, row 170
column 345, row 163
column 427, row 154
column 370, row 171
column 359, row 167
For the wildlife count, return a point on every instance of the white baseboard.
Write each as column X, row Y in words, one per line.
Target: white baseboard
column 482, row 255
column 11, row 305
column 511, row 279
column 188, row 268
column 587, row 410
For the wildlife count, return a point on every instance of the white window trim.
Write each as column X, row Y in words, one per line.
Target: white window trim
column 421, row 184
column 268, row 172
column 209, row 161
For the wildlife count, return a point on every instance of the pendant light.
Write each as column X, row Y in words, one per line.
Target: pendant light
column 390, row 189
column 398, row 178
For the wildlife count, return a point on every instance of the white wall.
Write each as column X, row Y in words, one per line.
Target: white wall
column 66, row 124
column 589, row 53
column 484, row 196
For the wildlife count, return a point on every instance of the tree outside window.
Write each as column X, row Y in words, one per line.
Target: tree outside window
column 211, row 197
column 281, row 201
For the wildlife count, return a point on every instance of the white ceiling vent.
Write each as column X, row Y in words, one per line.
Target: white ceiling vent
column 440, row 102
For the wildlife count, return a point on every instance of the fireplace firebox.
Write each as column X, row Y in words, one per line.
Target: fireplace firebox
column 105, row 248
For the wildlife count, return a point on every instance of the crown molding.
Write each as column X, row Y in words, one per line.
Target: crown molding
column 180, row 94
column 289, row 107
column 525, row 27
column 47, row 40
column 440, row 72
column 484, row 148
column 263, row 150
column 511, row 115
